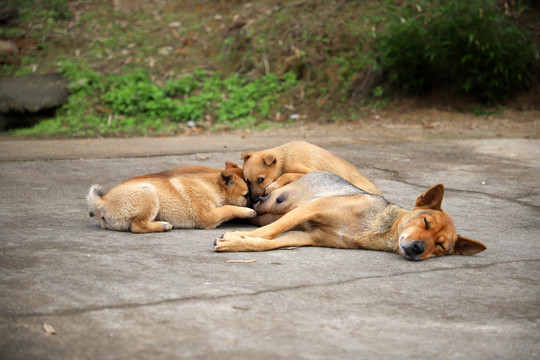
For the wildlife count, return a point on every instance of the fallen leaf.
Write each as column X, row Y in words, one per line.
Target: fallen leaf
column 49, row 329
column 103, row 109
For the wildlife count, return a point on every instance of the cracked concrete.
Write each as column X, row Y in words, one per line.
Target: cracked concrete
column 113, row 295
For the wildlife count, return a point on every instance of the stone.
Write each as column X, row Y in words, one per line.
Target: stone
column 24, row 98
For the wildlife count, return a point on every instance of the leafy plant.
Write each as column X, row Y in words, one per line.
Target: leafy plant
column 133, row 103
column 471, row 45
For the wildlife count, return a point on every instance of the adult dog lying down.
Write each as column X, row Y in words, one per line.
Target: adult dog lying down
column 188, row 196
column 323, row 209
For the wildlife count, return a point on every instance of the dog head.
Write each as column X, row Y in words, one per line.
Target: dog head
column 260, row 170
column 429, row 231
column 235, row 188
column 280, row 201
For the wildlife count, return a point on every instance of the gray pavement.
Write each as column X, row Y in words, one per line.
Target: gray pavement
column 114, row 295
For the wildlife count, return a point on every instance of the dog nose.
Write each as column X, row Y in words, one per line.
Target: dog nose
column 417, row 248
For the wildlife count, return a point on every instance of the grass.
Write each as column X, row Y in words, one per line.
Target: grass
column 110, row 104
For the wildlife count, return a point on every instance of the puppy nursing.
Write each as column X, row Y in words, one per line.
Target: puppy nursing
column 188, row 196
column 271, row 169
column 321, row 209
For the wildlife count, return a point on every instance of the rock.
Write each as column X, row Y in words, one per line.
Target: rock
column 7, row 14
column 24, row 99
column 8, row 48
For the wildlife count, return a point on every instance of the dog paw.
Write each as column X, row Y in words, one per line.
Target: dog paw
column 220, row 244
column 229, row 242
column 166, row 226
column 248, row 213
column 273, row 186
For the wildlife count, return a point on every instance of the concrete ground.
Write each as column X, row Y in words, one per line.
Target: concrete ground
column 114, row 295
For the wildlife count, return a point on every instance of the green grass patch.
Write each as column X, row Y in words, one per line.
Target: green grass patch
column 133, row 104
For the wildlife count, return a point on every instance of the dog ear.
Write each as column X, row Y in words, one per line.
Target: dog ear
column 269, row 159
column 233, row 168
column 227, row 178
column 431, row 199
column 245, row 155
column 230, row 165
column 465, row 246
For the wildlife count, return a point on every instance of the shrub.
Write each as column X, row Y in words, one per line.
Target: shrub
column 470, row 45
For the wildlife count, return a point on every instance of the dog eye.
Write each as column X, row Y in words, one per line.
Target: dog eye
column 441, row 245
column 427, row 224
column 248, row 182
column 260, row 180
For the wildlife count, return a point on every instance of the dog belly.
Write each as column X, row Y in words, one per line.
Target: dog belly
column 178, row 212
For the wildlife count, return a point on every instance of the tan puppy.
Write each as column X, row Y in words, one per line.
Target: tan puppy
column 271, row 169
column 322, row 209
column 188, row 196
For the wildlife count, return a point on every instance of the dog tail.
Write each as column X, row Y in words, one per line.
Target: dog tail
column 94, row 198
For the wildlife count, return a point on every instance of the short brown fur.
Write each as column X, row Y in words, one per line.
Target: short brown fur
column 268, row 170
column 188, row 196
column 352, row 221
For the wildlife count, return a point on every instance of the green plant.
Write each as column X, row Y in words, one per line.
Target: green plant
column 57, row 8
column 133, row 103
column 469, row 44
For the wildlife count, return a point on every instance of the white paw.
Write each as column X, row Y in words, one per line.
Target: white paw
column 167, row 226
column 249, row 213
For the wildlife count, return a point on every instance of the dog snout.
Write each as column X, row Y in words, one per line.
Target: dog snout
column 413, row 250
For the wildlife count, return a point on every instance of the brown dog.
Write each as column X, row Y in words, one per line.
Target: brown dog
column 325, row 210
column 271, row 169
column 188, row 196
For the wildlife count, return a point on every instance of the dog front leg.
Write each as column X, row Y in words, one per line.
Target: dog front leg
column 287, row 222
column 232, row 242
column 211, row 219
column 283, row 180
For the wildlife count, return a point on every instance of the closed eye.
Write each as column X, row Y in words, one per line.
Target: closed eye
column 427, row 224
column 441, row 245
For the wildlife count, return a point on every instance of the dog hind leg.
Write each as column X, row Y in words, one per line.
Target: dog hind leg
column 143, row 225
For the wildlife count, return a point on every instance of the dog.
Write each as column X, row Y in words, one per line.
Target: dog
column 188, row 196
column 323, row 209
column 268, row 170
